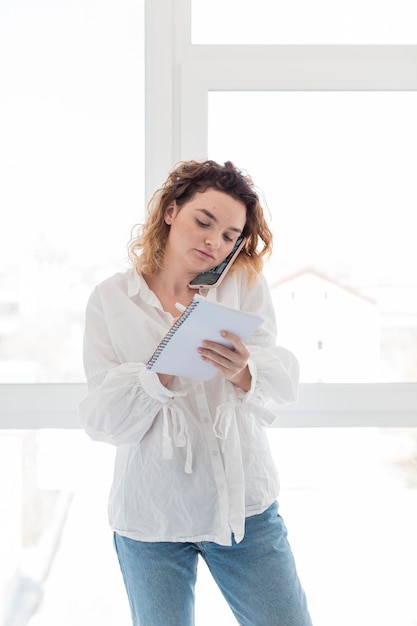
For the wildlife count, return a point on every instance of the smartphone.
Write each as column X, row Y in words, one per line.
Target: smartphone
column 213, row 277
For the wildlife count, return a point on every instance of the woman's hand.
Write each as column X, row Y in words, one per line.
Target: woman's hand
column 232, row 363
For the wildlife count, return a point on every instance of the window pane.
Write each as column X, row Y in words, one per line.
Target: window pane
column 304, row 22
column 349, row 502
column 71, row 163
column 338, row 173
column 347, row 497
column 57, row 565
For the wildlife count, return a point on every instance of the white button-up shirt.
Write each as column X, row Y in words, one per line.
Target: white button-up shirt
column 192, row 460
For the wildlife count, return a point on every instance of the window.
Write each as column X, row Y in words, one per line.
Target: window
column 72, row 155
column 343, row 490
column 72, row 137
column 337, row 170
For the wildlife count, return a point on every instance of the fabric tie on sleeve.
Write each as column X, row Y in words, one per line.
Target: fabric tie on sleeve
column 175, row 423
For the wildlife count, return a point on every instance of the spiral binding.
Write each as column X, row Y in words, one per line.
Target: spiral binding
column 190, row 308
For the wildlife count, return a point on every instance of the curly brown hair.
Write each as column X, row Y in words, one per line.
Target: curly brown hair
column 146, row 249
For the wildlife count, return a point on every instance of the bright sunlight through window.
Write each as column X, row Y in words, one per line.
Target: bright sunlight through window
column 321, row 22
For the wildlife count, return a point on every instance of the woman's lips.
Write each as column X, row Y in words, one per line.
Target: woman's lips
column 204, row 254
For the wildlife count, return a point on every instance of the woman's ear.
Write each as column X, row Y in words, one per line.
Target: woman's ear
column 169, row 213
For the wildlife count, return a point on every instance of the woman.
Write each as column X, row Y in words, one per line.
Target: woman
column 193, row 472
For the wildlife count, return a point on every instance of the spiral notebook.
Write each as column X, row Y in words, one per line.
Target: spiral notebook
column 202, row 319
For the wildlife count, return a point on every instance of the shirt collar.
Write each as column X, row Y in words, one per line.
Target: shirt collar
column 134, row 282
column 137, row 284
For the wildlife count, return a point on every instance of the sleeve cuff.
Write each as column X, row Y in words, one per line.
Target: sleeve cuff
column 246, row 396
column 151, row 385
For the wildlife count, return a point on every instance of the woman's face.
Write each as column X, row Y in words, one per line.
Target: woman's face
column 203, row 231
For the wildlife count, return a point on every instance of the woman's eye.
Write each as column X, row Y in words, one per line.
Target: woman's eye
column 207, row 225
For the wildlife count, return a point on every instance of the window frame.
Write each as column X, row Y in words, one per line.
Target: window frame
column 178, row 79
column 55, row 405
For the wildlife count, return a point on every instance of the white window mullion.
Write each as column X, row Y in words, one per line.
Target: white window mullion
column 159, row 93
column 28, row 406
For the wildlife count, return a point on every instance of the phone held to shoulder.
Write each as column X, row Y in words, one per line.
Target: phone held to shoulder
column 213, row 278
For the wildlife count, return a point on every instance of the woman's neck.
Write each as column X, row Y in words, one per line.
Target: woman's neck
column 169, row 290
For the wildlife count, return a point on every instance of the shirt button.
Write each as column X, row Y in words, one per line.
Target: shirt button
column 215, row 452
column 206, row 420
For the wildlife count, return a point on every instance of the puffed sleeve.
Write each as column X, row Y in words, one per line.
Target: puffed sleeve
column 123, row 399
column 274, row 369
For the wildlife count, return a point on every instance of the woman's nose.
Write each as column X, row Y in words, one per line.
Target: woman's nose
column 213, row 241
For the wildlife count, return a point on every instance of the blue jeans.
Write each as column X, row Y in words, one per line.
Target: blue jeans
column 257, row 577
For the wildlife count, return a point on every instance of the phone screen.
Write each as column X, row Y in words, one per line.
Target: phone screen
column 212, row 277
